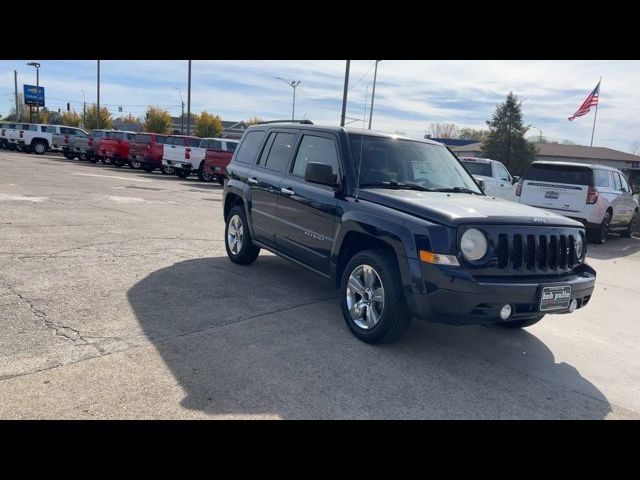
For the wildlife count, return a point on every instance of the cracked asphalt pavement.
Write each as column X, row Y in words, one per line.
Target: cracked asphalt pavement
column 117, row 301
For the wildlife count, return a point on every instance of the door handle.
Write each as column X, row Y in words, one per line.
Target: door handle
column 252, row 181
column 287, row 191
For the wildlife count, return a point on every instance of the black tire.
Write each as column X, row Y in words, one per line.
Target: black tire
column 628, row 232
column 220, row 180
column 167, row 170
column 149, row 169
column 525, row 322
column 118, row 163
column 39, row 147
column 600, row 234
column 69, row 156
column 92, row 159
column 105, row 160
column 394, row 318
column 204, row 177
column 135, row 164
column 182, row 173
column 247, row 252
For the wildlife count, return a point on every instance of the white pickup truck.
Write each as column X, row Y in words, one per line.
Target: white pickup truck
column 32, row 137
column 193, row 158
column 176, row 155
column 498, row 182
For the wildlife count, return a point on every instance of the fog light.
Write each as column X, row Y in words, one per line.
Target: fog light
column 505, row 312
column 573, row 305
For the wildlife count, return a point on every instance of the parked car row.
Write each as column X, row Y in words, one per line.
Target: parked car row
column 182, row 155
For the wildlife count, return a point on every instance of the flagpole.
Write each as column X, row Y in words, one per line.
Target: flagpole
column 596, row 113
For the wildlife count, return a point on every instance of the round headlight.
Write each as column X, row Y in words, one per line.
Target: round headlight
column 579, row 246
column 473, row 244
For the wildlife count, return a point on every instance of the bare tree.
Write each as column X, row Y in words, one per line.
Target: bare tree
column 444, row 130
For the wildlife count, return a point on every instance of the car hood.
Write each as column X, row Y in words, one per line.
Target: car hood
column 462, row 208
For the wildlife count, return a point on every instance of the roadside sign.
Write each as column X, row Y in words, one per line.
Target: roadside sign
column 33, row 95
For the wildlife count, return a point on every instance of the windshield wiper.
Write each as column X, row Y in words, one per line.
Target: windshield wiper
column 456, row 190
column 399, row 186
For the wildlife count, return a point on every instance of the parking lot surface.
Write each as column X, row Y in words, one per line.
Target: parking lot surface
column 117, row 301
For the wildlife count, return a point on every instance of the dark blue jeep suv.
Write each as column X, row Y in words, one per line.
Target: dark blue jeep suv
column 401, row 228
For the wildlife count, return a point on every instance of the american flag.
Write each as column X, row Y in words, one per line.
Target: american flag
column 591, row 101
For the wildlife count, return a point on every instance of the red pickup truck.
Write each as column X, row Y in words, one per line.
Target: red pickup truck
column 146, row 151
column 216, row 159
column 114, row 149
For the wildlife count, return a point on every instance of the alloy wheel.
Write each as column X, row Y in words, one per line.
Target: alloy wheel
column 365, row 296
column 235, row 234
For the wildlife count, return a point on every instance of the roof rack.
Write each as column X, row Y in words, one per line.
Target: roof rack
column 306, row 122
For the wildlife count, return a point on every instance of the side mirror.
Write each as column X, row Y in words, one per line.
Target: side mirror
column 480, row 182
column 516, row 180
column 320, row 173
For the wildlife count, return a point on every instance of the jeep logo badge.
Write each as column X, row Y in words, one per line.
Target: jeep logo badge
column 537, row 220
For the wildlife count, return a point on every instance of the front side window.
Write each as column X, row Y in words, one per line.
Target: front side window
column 280, row 152
column 623, row 181
column 616, row 182
column 143, row 138
column 399, row 163
column 315, row 149
column 503, row 174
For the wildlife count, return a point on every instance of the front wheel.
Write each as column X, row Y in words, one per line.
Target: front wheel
column 39, row 147
column 632, row 225
column 182, row 173
column 372, row 298
column 167, row 170
column 240, row 248
column 525, row 322
column 69, row 156
column 135, row 165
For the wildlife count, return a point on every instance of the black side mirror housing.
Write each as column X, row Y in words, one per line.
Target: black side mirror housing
column 320, row 173
column 516, row 180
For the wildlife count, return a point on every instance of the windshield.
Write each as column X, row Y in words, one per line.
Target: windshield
column 477, row 168
column 398, row 163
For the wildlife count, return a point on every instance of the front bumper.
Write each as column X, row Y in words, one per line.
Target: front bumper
column 465, row 300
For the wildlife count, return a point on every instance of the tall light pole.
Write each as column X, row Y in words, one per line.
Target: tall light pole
column 15, row 78
column 373, row 94
column 182, row 117
column 293, row 84
column 84, row 109
column 98, row 112
column 344, row 95
column 189, row 102
column 37, row 66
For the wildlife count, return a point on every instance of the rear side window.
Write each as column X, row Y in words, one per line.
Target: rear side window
column 280, row 152
column 315, row 149
column 193, row 142
column 231, row 146
column 214, row 144
column 99, row 134
column 248, row 149
column 477, row 168
column 568, row 174
column 143, row 139
column 602, row 178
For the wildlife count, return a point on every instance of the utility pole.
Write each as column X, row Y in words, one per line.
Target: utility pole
column 189, row 102
column 38, row 90
column 15, row 78
column 373, row 94
column 84, row 110
column 182, row 116
column 98, row 112
column 344, row 95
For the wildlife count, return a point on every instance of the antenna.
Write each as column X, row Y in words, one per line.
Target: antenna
column 366, row 95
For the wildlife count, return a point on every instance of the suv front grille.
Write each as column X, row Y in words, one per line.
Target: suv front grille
column 527, row 251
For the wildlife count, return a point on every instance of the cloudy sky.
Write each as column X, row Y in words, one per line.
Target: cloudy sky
column 409, row 94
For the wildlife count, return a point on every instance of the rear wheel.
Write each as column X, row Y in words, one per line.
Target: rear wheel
column 182, row 173
column 39, row 147
column 600, row 234
column 525, row 322
column 135, row 164
column 148, row 169
column 106, row 160
column 202, row 175
column 69, row 156
column 632, row 225
column 167, row 170
column 372, row 298
column 240, row 248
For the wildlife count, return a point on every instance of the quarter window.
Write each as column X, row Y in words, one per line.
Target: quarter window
column 249, row 147
column 315, row 149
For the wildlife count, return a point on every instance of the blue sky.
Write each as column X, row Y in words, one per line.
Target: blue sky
column 410, row 95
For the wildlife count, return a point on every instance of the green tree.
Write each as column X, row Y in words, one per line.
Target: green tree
column 106, row 120
column 254, row 121
column 208, row 125
column 472, row 134
column 505, row 141
column 157, row 120
column 70, row 119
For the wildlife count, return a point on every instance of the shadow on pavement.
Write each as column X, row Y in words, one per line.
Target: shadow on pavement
column 268, row 339
column 615, row 247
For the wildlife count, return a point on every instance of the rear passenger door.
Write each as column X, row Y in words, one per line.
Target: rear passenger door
column 264, row 181
column 307, row 211
column 627, row 199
